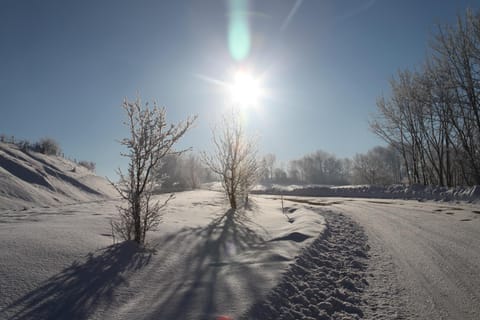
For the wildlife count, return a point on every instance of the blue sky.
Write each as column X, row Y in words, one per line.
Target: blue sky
column 65, row 67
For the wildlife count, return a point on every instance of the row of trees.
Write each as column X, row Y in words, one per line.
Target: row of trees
column 186, row 171
column 432, row 118
column 380, row 165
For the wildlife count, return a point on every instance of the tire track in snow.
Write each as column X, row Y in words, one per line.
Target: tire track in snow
column 432, row 256
column 326, row 281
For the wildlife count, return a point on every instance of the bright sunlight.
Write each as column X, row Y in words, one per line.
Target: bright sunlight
column 245, row 89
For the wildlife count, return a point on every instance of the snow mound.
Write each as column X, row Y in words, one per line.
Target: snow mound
column 415, row 191
column 32, row 179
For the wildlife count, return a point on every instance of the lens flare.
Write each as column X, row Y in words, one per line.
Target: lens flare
column 238, row 29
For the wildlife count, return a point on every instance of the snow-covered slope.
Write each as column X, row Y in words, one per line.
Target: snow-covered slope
column 32, row 179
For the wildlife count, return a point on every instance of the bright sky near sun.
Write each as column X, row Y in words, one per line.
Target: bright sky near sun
column 308, row 72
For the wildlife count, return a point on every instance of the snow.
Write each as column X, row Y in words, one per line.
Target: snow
column 423, row 260
column 32, row 179
column 416, row 192
column 356, row 252
column 202, row 262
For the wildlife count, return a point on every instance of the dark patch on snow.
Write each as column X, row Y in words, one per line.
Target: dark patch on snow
column 453, row 208
column 476, row 211
column 278, row 258
column 106, row 234
column 450, row 213
column 291, row 210
column 24, row 173
column 294, row 236
column 314, row 203
column 379, row 202
column 466, row 219
column 70, row 180
column 326, row 281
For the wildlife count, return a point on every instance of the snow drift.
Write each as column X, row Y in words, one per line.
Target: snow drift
column 415, row 192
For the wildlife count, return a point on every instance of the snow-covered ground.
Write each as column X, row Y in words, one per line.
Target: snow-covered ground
column 337, row 258
column 204, row 261
column 358, row 252
column 423, row 261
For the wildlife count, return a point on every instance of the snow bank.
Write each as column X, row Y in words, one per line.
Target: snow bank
column 417, row 192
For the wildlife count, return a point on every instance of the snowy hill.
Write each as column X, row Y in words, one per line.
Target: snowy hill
column 34, row 179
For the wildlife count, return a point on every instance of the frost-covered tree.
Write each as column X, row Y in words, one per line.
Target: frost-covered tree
column 432, row 116
column 48, row 146
column 151, row 139
column 234, row 159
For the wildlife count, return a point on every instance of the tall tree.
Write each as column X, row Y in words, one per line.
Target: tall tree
column 234, row 159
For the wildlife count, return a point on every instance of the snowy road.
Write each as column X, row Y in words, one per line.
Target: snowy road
column 425, row 257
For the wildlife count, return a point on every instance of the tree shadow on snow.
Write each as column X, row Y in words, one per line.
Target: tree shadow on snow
column 75, row 292
column 220, row 241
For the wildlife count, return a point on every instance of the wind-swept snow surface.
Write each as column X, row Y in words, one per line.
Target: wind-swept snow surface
column 204, row 261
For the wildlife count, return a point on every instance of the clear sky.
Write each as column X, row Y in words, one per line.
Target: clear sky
column 65, row 67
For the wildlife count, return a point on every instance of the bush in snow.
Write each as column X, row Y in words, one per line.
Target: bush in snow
column 90, row 165
column 47, row 146
column 151, row 139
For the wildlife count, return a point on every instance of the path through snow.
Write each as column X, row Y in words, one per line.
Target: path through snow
column 327, row 279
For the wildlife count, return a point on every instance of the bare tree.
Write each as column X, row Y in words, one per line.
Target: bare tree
column 151, row 139
column 270, row 164
column 233, row 160
column 433, row 116
column 380, row 165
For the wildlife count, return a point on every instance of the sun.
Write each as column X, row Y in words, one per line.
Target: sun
column 245, row 89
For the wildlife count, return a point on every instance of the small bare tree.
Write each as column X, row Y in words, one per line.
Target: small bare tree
column 151, row 139
column 233, row 160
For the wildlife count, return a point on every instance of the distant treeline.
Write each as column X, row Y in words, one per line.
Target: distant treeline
column 47, row 146
column 379, row 166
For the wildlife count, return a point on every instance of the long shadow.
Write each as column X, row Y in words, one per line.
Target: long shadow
column 75, row 292
column 227, row 235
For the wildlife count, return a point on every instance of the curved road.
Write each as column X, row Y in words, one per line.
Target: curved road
column 425, row 257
